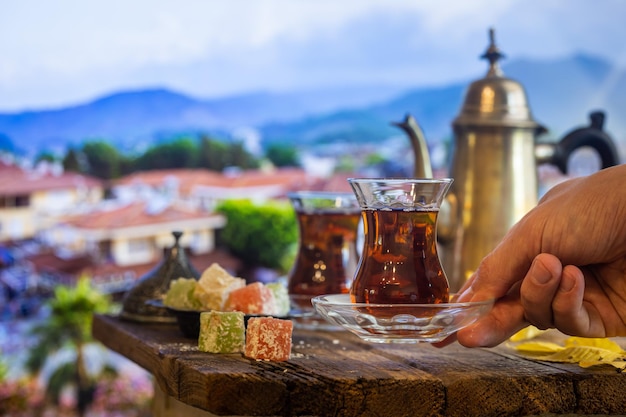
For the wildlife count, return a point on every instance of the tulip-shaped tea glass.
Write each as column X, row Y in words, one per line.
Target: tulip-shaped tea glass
column 327, row 256
column 400, row 264
column 400, row 291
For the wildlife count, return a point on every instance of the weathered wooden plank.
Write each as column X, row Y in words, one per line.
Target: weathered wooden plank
column 329, row 374
column 497, row 384
column 337, row 374
column 355, row 380
column 598, row 390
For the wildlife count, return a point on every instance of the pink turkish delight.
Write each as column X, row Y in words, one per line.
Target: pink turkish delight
column 254, row 298
column 268, row 338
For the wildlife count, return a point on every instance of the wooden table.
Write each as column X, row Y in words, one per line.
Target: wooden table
column 333, row 373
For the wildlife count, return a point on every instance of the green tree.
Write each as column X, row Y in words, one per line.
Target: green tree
column 45, row 156
column 69, row 325
column 4, row 368
column 103, row 159
column 346, row 163
column 374, row 159
column 180, row 153
column 212, row 154
column 282, row 155
column 261, row 235
column 239, row 157
column 72, row 161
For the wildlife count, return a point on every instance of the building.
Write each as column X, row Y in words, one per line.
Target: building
column 71, row 230
column 135, row 232
column 30, row 200
column 204, row 189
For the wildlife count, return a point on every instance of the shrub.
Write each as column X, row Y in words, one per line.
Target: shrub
column 261, row 235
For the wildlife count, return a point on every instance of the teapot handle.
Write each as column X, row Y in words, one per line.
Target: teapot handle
column 593, row 136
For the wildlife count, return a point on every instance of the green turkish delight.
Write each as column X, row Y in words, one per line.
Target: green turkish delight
column 181, row 294
column 281, row 298
column 222, row 332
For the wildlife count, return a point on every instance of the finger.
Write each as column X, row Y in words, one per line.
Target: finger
column 571, row 316
column 466, row 293
column 504, row 320
column 539, row 288
column 502, row 268
column 463, row 295
column 445, row 342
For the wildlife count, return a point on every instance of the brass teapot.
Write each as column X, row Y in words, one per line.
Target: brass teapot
column 494, row 166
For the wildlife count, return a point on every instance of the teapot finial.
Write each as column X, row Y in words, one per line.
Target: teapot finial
column 493, row 55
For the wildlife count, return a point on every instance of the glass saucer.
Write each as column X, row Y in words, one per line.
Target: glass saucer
column 306, row 317
column 399, row 323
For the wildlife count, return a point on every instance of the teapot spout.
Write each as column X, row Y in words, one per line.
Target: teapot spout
column 422, row 168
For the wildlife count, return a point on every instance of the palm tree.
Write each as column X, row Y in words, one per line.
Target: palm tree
column 69, row 325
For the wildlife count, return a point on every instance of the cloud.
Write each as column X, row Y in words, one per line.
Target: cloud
column 55, row 53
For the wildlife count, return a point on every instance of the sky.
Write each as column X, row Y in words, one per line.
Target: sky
column 67, row 52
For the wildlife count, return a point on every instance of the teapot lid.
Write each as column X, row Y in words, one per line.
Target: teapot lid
column 495, row 100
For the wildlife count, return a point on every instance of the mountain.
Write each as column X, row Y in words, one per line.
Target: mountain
column 561, row 93
column 131, row 118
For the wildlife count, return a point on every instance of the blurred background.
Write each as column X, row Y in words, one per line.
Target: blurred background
column 118, row 113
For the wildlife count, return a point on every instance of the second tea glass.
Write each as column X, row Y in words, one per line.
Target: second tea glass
column 327, row 254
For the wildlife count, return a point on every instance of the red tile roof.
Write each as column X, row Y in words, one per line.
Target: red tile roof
column 17, row 181
column 188, row 179
column 291, row 179
column 50, row 262
column 337, row 183
column 136, row 214
column 67, row 270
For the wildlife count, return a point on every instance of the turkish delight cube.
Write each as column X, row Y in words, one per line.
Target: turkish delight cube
column 268, row 338
column 254, row 298
column 221, row 332
column 180, row 294
column 214, row 285
column 281, row 298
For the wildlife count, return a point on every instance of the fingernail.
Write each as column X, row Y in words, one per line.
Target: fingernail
column 540, row 274
column 466, row 295
column 566, row 284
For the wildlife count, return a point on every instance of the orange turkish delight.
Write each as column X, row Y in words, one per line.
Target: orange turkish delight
column 268, row 338
column 254, row 298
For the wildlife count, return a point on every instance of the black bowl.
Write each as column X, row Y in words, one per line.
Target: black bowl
column 189, row 320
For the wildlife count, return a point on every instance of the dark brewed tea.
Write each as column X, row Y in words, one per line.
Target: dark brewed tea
column 327, row 256
column 399, row 264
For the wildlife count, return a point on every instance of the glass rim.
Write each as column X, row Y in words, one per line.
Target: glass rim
column 445, row 180
column 321, row 194
column 337, row 300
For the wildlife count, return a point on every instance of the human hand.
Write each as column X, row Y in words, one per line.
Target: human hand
column 579, row 224
column 579, row 301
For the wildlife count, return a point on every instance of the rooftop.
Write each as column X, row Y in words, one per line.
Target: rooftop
column 18, row 181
